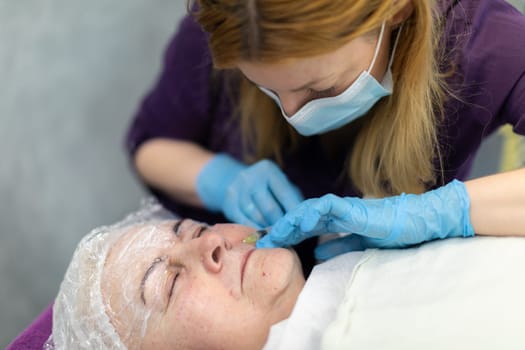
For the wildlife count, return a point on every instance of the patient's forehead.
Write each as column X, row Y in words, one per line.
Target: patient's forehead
column 139, row 245
column 145, row 235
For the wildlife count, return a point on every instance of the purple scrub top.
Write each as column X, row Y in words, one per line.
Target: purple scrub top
column 484, row 38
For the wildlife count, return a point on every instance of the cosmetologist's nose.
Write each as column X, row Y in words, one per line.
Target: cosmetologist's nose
column 291, row 103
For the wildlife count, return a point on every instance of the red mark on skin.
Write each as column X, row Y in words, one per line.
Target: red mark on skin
column 264, row 274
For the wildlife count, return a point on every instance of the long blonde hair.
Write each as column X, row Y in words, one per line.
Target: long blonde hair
column 396, row 147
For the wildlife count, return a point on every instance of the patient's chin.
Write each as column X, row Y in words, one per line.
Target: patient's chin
column 275, row 277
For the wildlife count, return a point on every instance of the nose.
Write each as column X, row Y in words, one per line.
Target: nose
column 212, row 247
column 291, row 103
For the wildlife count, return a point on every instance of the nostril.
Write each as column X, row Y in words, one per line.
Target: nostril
column 216, row 254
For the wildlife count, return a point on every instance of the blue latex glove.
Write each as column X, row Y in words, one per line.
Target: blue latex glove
column 391, row 222
column 256, row 195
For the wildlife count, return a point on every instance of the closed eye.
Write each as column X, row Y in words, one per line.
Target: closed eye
column 323, row 93
column 196, row 233
column 200, row 230
column 170, row 293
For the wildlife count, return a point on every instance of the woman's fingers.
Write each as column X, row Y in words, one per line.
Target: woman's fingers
column 314, row 217
column 268, row 206
column 338, row 246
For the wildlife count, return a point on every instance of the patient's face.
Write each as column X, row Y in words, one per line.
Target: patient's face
column 197, row 288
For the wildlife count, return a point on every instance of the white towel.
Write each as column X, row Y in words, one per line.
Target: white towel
column 450, row 294
column 316, row 306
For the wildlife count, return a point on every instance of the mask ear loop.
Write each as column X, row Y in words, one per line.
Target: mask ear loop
column 395, row 45
column 378, row 46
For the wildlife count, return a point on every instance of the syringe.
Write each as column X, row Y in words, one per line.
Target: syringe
column 254, row 237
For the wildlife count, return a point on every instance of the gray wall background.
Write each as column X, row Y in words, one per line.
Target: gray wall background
column 72, row 75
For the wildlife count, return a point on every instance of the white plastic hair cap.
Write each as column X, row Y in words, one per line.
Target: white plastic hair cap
column 80, row 320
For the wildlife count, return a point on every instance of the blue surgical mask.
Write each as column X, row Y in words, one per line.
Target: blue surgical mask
column 327, row 114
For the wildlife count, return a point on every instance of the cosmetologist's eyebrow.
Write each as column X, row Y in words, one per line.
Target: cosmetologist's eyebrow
column 147, row 274
column 304, row 87
column 311, row 83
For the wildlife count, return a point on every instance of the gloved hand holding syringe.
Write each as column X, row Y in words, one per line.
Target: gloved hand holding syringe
column 391, row 222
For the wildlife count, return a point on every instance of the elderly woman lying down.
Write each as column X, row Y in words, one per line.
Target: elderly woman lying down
column 157, row 283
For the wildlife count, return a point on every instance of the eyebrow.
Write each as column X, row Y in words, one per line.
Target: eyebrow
column 312, row 82
column 155, row 262
column 305, row 86
column 147, row 274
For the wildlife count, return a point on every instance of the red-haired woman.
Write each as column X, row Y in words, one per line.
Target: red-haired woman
column 265, row 103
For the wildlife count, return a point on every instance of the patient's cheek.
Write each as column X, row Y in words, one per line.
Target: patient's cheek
column 187, row 325
column 234, row 232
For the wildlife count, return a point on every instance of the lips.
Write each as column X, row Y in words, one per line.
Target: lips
column 244, row 261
